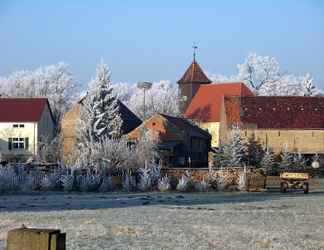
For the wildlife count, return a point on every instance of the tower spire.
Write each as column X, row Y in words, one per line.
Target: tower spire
column 195, row 48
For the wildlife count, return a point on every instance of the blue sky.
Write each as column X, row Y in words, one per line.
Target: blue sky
column 152, row 40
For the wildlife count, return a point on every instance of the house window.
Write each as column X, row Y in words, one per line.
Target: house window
column 16, row 125
column 18, row 143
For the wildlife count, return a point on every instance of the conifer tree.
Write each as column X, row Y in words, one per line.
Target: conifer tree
column 287, row 159
column 269, row 161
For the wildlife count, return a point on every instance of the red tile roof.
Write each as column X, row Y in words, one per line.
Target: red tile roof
column 194, row 74
column 21, row 109
column 274, row 112
column 206, row 104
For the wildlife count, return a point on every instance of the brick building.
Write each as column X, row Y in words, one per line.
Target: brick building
column 294, row 122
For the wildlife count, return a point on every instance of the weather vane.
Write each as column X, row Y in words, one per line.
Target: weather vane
column 195, row 48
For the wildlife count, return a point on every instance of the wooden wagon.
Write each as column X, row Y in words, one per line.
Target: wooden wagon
column 294, row 180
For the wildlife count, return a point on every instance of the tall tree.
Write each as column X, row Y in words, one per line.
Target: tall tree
column 103, row 104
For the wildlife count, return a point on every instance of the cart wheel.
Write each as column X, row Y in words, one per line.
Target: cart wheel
column 283, row 187
column 306, row 187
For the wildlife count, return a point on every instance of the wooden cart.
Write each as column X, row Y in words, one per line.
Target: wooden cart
column 294, row 180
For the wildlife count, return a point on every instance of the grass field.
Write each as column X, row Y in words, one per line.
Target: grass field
column 227, row 220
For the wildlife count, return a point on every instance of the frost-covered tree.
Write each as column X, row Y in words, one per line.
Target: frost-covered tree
column 299, row 161
column 100, row 122
column 236, row 148
column 307, row 87
column 258, row 71
column 287, row 159
column 255, row 152
column 103, row 104
column 161, row 98
column 269, row 161
column 265, row 77
column 54, row 82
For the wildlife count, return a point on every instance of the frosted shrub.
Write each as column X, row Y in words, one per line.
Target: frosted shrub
column 8, row 180
column 106, row 184
column 242, row 181
column 222, row 183
column 126, row 183
column 67, row 182
column 183, row 182
column 201, row 186
column 155, row 174
column 50, row 182
column 164, row 184
column 145, row 182
column 89, row 182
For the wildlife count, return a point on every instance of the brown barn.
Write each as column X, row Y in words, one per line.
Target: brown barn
column 70, row 120
column 181, row 144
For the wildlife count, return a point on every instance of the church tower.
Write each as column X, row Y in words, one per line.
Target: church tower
column 190, row 83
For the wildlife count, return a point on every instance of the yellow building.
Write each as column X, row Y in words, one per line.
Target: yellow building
column 292, row 122
column 277, row 122
column 202, row 99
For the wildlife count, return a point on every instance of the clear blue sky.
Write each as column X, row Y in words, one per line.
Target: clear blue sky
column 152, row 40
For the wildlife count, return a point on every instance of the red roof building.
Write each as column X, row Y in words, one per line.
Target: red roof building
column 24, row 123
column 206, row 104
column 22, row 109
column 276, row 112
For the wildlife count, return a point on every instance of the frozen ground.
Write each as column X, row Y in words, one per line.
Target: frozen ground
column 172, row 220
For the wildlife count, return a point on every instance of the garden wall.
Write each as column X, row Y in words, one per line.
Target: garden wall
column 256, row 180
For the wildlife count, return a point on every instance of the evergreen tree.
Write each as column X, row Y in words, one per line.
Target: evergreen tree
column 233, row 153
column 104, row 105
column 287, row 160
column 255, row 152
column 269, row 162
column 99, row 118
column 299, row 161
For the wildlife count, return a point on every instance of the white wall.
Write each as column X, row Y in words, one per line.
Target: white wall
column 7, row 131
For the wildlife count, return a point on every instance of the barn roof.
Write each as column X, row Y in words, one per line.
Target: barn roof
column 274, row 112
column 22, row 109
column 194, row 74
column 206, row 104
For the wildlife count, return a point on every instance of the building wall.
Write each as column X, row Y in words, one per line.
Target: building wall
column 303, row 141
column 68, row 129
column 7, row 131
column 213, row 129
column 46, row 125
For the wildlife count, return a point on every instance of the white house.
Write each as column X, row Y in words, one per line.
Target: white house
column 23, row 123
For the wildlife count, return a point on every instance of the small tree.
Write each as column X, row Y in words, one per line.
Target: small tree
column 269, row 162
column 299, row 161
column 234, row 152
column 287, row 159
column 255, row 152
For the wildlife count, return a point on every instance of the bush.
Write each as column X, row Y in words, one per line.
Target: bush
column 164, row 184
column 145, row 183
column 173, row 181
column 182, row 184
column 201, row 186
column 106, row 184
column 67, row 182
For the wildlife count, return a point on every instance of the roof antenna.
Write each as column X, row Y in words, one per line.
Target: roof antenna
column 195, row 48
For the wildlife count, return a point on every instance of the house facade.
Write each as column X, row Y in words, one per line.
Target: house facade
column 24, row 122
column 180, row 143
